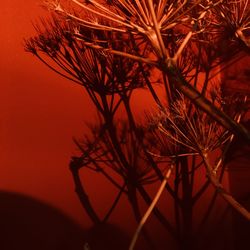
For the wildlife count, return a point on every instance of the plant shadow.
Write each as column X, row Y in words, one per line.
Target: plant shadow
column 29, row 224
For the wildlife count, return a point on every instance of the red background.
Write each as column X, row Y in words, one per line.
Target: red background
column 39, row 114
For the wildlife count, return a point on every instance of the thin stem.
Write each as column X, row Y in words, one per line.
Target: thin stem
column 119, row 53
column 151, row 207
column 229, row 143
column 183, row 45
column 115, row 18
column 220, row 189
column 164, row 51
column 83, row 197
column 114, row 203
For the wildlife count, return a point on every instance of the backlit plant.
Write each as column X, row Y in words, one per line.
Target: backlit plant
column 114, row 48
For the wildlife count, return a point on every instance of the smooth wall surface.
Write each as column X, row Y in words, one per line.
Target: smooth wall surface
column 40, row 112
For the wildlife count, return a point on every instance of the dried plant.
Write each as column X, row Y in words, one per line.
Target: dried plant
column 112, row 48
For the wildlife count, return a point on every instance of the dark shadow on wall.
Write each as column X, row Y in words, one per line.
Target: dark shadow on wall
column 26, row 223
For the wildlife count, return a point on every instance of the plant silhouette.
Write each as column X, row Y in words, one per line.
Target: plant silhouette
column 115, row 48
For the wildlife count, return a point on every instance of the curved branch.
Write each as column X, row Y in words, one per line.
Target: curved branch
column 83, row 197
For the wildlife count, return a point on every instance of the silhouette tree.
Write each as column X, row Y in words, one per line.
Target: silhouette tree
column 113, row 48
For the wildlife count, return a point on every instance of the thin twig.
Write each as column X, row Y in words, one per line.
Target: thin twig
column 220, row 189
column 151, row 207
